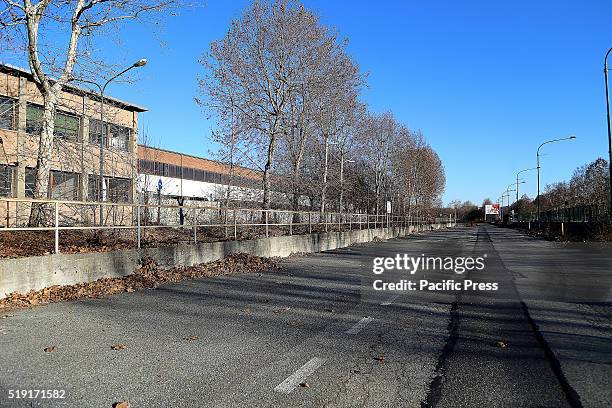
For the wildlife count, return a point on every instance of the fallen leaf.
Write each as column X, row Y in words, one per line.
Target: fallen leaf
column 49, row 349
column 304, row 385
column 190, row 338
column 118, row 346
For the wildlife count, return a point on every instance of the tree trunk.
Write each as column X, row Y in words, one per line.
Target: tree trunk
column 266, row 176
column 43, row 162
column 324, row 187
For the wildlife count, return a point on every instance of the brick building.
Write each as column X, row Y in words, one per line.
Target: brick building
column 195, row 178
column 79, row 132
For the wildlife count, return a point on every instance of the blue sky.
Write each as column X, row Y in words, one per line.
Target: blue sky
column 486, row 81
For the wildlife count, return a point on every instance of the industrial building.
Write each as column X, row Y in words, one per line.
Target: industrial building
column 130, row 171
column 80, row 137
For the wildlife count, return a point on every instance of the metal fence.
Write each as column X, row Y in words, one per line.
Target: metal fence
column 581, row 213
column 143, row 223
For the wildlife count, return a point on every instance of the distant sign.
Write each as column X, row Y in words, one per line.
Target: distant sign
column 492, row 209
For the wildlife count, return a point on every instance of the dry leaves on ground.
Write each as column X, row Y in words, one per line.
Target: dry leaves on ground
column 147, row 276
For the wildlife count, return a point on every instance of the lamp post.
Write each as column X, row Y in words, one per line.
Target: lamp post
column 517, row 181
column 507, row 194
column 609, row 132
column 538, row 167
column 323, row 198
column 103, row 129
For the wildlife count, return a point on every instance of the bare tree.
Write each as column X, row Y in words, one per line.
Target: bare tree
column 259, row 59
column 33, row 23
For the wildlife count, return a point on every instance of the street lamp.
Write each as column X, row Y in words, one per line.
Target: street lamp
column 609, row 132
column 327, row 143
column 538, row 167
column 517, row 181
column 103, row 129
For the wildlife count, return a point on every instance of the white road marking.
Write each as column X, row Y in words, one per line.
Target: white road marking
column 299, row 376
column 359, row 325
column 388, row 302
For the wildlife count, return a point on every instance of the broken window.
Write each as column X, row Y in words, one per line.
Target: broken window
column 7, row 113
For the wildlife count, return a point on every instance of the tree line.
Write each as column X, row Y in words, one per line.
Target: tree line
column 285, row 95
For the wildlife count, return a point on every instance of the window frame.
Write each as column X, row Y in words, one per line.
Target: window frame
column 10, row 113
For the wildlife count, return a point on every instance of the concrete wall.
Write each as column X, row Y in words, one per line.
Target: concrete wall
column 38, row 272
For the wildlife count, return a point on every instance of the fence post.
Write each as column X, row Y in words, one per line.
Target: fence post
column 138, row 223
column 56, row 228
column 290, row 223
column 267, row 233
column 195, row 226
column 309, row 222
column 235, row 226
column 350, row 222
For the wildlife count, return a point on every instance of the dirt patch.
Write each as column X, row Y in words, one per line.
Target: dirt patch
column 147, row 276
column 19, row 244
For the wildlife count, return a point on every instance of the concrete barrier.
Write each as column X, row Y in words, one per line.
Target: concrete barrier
column 38, row 272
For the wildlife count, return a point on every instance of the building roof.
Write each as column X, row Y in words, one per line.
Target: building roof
column 7, row 68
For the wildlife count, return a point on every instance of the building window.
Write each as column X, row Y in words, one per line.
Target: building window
column 30, row 181
column 96, row 133
column 120, row 137
column 34, row 119
column 67, row 126
column 114, row 189
column 64, row 185
column 8, row 115
column 6, row 178
column 115, row 136
column 119, row 189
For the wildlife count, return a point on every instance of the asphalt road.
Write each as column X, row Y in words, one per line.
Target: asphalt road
column 543, row 339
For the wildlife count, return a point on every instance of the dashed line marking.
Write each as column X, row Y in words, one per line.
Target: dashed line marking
column 359, row 325
column 299, row 376
column 388, row 302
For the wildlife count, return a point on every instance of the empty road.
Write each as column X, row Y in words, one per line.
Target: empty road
column 315, row 333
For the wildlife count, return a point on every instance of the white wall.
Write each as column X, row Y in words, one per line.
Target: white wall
column 198, row 189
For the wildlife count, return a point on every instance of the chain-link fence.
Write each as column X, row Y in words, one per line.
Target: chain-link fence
column 581, row 213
